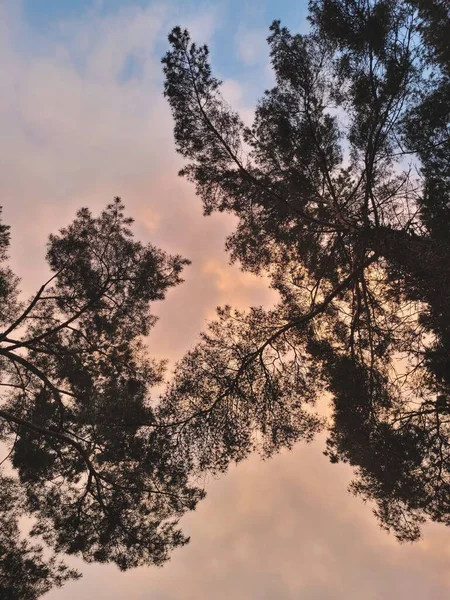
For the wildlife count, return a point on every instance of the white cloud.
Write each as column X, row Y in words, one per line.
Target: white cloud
column 76, row 135
column 252, row 46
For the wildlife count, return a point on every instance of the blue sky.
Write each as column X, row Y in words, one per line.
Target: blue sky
column 44, row 17
column 43, row 14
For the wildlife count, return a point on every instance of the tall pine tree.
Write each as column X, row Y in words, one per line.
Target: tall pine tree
column 341, row 188
column 85, row 457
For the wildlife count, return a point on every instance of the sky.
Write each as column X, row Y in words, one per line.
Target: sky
column 83, row 120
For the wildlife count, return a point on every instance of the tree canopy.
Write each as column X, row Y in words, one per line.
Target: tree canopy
column 341, row 188
column 85, row 459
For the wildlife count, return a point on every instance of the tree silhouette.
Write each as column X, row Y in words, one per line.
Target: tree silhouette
column 88, row 461
column 25, row 573
column 341, row 190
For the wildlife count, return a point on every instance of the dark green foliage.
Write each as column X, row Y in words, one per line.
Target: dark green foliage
column 341, row 188
column 24, row 572
column 238, row 404
column 96, row 473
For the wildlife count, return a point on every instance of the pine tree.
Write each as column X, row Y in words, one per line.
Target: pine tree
column 341, row 188
column 86, row 459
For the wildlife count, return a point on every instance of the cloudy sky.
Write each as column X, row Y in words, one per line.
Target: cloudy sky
column 83, row 119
